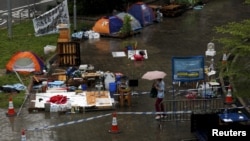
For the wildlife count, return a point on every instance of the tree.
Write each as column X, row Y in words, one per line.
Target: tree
column 126, row 28
column 237, row 44
column 97, row 7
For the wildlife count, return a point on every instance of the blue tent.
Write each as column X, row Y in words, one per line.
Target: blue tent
column 143, row 13
column 135, row 24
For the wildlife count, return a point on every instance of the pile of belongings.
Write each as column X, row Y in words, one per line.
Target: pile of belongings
column 73, row 72
column 58, row 99
column 191, row 95
column 140, row 56
column 12, row 88
column 85, row 35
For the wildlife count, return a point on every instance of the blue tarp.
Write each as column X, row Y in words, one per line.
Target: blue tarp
column 17, row 86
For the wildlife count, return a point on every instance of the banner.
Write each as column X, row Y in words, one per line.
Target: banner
column 188, row 68
column 47, row 22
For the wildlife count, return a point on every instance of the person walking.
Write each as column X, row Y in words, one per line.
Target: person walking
column 159, row 84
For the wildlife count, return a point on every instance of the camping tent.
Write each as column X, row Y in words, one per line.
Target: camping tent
column 108, row 25
column 25, row 62
column 135, row 24
column 143, row 13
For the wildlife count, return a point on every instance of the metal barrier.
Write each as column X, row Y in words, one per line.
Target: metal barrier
column 182, row 109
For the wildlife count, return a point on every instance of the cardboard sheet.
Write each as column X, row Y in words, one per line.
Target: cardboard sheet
column 118, row 54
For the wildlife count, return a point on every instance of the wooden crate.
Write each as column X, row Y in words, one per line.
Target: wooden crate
column 68, row 53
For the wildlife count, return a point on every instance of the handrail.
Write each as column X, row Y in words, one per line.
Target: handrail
column 177, row 109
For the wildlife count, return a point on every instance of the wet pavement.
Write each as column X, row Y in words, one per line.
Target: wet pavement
column 186, row 35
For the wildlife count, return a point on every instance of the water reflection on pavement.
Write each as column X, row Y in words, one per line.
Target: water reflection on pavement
column 186, row 35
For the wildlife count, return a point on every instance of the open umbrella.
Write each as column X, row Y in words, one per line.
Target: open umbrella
column 152, row 75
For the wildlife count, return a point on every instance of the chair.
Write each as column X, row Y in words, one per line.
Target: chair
column 124, row 95
column 133, row 83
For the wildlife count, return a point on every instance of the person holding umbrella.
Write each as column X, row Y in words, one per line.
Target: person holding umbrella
column 159, row 84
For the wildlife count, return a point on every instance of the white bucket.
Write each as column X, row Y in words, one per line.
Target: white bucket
column 44, row 83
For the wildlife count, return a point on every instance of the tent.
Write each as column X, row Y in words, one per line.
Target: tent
column 135, row 24
column 25, row 62
column 108, row 25
column 143, row 13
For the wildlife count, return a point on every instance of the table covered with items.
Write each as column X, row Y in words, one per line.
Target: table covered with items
column 62, row 101
column 81, row 88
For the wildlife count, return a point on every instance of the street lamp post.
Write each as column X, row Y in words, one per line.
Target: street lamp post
column 9, row 19
column 74, row 15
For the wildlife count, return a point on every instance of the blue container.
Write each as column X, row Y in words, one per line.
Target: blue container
column 112, row 89
column 118, row 78
column 84, row 87
column 129, row 48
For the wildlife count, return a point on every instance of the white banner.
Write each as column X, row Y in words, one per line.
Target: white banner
column 47, row 22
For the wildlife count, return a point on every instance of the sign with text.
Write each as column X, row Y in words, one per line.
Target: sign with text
column 48, row 21
column 188, row 68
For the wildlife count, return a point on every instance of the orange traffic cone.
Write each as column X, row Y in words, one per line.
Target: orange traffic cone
column 23, row 135
column 229, row 98
column 11, row 110
column 114, row 128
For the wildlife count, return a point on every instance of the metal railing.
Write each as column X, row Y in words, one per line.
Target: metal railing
column 182, row 109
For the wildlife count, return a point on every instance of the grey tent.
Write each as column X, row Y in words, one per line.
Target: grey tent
column 135, row 24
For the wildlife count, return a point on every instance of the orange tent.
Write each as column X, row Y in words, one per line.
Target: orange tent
column 25, row 62
column 102, row 26
column 108, row 25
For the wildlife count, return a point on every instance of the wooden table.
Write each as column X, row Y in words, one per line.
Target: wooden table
column 90, row 75
column 90, row 78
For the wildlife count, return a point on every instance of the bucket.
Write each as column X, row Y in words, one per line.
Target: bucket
column 44, row 88
column 44, row 83
column 84, row 87
column 112, row 87
column 109, row 78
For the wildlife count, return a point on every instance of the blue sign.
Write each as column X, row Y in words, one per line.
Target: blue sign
column 188, row 68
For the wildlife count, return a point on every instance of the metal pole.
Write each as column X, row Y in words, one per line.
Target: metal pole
column 9, row 19
column 74, row 15
column 28, row 3
column 27, row 92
